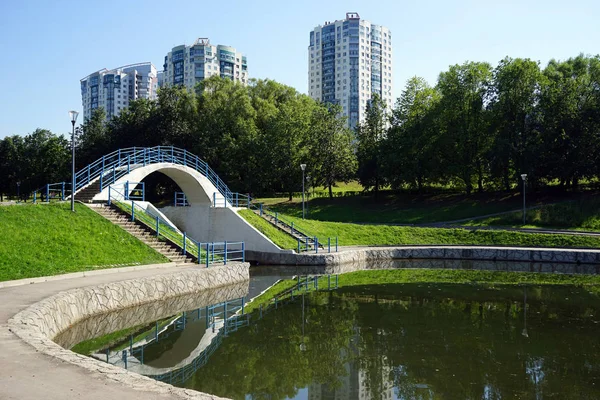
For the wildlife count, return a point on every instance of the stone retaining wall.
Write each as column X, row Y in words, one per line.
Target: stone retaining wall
column 40, row 323
column 536, row 255
column 103, row 324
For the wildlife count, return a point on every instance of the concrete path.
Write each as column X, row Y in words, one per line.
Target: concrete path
column 26, row 374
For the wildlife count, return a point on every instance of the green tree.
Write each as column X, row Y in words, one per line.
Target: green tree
column 569, row 103
column 514, row 94
column 370, row 135
column 225, row 130
column 411, row 148
column 331, row 147
column 134, row 126
column 466, row 136
column 93, row 142
column 11, row 165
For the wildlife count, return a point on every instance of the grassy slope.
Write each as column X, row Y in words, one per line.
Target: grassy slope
column 356, row 234
column 406, row 209
column 281, row 239
column 571, row 211
column 40, row 240
column 454, row 277
column 582, row 214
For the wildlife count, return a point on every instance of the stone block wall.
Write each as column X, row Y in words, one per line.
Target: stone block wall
column 479, row 253
column 40, row 323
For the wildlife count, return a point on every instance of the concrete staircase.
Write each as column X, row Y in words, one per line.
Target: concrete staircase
column 142, row 232
column 86, row 194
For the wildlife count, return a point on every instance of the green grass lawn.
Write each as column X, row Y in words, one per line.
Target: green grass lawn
column 566, row 210
column 278, row 237
column 581, row 214
column 372, row 235
column 48, row 239
column 397, row 208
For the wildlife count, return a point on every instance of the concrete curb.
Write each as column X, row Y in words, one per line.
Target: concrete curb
column 82, row 274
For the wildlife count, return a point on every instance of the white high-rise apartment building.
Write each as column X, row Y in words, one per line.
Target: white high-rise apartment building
column 114, row 89
column 348, row 61
column 188, row 65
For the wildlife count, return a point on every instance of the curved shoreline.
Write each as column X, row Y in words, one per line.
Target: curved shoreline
column 63, row 302
column 41, row 322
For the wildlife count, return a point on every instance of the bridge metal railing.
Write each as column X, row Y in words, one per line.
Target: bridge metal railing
column 304, row 284
column 226, row 317
column 306, row 242
column 52, row 191
column 113, row 166
column 180, row 200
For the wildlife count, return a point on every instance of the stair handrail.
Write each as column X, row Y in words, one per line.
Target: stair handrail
column 262, row 210
column 205, row 252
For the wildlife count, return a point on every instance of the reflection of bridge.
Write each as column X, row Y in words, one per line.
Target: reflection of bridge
column 217, row 320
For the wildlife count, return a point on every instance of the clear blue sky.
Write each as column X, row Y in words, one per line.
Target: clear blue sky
column 48, row 46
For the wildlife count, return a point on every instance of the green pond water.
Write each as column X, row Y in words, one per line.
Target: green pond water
column 412, row 341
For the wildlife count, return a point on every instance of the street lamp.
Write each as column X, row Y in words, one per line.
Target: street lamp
column 73, row 115
column 524, row 177
column 303, row 167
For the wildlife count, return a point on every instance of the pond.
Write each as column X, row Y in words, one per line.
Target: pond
column 409, row 341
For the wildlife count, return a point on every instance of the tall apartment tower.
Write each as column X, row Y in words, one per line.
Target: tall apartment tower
column 188, row 65
column 114, row 89
column 348, row 61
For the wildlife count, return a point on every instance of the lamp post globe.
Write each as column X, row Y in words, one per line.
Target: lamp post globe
column 73, row 116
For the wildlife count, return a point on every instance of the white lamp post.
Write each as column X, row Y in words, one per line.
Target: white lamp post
column 303, row 167
column 73, row 115
column 524, row 177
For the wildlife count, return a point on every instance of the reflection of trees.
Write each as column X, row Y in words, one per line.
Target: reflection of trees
column 266, row 360
column 467, row 348
column 432, row 342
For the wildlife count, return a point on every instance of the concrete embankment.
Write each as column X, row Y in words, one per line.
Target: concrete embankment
column 37, row 367
column 475, row 253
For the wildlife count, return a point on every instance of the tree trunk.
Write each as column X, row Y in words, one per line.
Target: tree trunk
column 506, row 179
column 290, row 197
column 479, row 177
column 330, row 192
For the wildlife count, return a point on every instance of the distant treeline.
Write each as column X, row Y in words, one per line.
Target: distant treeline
column 479, row 128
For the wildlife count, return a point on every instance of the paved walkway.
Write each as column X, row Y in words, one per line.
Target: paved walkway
column 26, row 374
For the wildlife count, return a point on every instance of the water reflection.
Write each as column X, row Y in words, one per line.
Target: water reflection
column 411, row 341
column 415, row 342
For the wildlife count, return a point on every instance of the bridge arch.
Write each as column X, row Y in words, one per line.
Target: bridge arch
column 211, row 216
column 199, row 190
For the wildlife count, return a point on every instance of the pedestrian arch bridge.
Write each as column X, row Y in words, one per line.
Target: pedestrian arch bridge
column 212, row 215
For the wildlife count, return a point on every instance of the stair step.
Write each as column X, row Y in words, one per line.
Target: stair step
column 144, row 234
